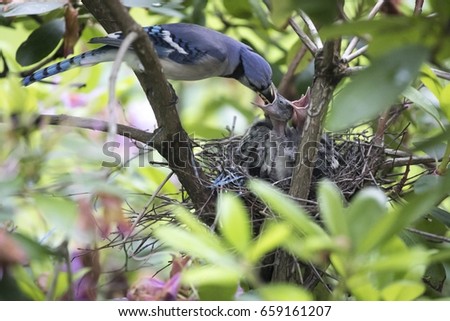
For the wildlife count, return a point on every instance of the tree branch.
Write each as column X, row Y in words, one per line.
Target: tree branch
column 303, row 36
column 172, row 142
column 99, row 125
column 327, row 76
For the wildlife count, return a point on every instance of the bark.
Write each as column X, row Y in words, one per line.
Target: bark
column 328, row 71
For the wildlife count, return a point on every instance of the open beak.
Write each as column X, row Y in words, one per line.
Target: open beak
column 300, row 107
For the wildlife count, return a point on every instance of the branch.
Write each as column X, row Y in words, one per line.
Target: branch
column 327, row 76
column 352, row 44
column 112, row 101
column 303, row 37
column 411, row 160
column 429, row 236
column 418, row 7
column 173, row 142
column 99, row 125
column 312, row 29
column 441, row 74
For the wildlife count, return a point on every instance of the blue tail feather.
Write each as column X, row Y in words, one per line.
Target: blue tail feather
column 88, row 58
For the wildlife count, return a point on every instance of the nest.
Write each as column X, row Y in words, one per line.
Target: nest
column 350, row 160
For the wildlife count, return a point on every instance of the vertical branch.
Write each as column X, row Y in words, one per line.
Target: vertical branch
column 326, row 78
column 418, row 7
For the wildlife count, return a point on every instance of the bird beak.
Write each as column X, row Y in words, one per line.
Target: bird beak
column 300, row 106
column 280, row 108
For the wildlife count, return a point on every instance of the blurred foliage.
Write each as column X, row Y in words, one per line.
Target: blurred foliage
column 64, row 217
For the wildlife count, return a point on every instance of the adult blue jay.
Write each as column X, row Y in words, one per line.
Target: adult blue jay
column 186, row 52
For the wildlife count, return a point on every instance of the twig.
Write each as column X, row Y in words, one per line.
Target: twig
column 410, row 160
column 312, row 29
column 396, row 152
column 429, row 236
column 375, row 9
column 418, row 7
column 144, row 211
column 442, row 168
column 352, row 44
column 350, row 71
column 350, row 47
column 65, row 250
column 356, row 54
column 112, row 101
column 441, row 74
column 303, row 37
column 378, row 138
column 94, row 124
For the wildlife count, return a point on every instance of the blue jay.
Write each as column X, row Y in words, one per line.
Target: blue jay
column 186, row 52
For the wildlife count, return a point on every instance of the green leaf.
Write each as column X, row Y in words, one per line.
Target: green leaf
column 41, row 42
column 331, row 208
column 59, row 212
column 170, row 8
column 198, row 229
column 210, row 274
column 27, row 284
column 198, row 241
column 286, row 208
column 315, row 248
column 234, row 221
column 408, row 32
column 213, row 282
column 283, row 292
column 365, row 210
column 30, row 8
column 431, row 81
column 185, row 241
column 444, row 100
column 423, row 102
column 320, row 11
column 282, row 10
column 403, row 290
column 239, row 9
column 392, row 73
column 34, row 250
column 441, row 215
column 402, row 215
column 435, row 276
column 258, row 11
column 216, row 292
column 361, row 286
column 405, row 261
column 427, row 182
column 272, row 236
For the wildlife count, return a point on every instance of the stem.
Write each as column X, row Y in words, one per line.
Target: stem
column 327, row 76
column 303, row 37
column 112, row 101
column 442, row 168
column 312, row 29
